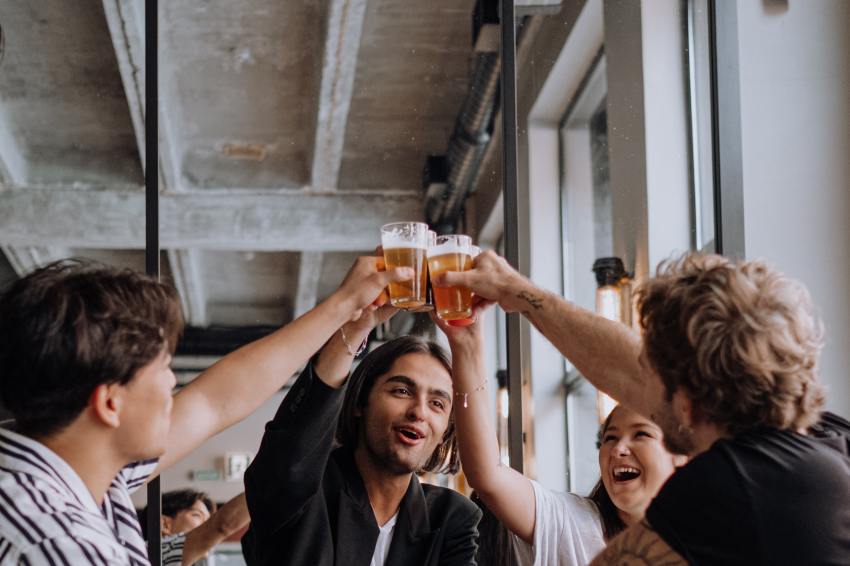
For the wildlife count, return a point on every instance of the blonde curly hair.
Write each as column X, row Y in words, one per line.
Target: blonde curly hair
column 739, row 339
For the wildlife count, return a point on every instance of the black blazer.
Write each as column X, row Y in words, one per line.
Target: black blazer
column 309, row 506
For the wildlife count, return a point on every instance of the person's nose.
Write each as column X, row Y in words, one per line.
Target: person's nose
column 416, row 409
column 622, row 448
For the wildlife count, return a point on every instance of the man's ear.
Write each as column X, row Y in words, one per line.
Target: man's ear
column 165, row 525
column 106, row 402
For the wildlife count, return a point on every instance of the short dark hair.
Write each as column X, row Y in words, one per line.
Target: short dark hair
column 71, row 326
column 182, row 499
column 378, row 362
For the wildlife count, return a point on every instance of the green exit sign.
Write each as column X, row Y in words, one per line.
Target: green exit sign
column 206, row 475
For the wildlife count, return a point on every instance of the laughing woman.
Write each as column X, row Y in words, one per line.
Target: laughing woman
column 554, row 528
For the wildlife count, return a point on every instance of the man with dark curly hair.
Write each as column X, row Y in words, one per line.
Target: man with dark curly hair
column 727, row 366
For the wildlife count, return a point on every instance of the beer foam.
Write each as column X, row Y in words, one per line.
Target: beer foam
column 393, row 241
column 448, row 248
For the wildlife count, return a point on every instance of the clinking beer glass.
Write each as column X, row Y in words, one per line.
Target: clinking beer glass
column 451, row 253
column 406, row 245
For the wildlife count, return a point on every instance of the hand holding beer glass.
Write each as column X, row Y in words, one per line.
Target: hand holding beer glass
column 406, row 245
column 451, row 253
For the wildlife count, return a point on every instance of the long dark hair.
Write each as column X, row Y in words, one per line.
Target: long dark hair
column 445, row 458
column 612, row 524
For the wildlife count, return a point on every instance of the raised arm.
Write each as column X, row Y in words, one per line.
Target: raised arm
column 227, row 520
column 238, row 384
column 605, row 352
column 507, row 493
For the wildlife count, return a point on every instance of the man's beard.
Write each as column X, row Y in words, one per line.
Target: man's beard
column 677, row 437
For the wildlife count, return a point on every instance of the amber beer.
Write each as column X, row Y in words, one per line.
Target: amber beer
column 411, row 293
column 405, row 245
column 451, row 253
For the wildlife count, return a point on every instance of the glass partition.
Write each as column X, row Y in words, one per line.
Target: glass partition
column 289, row 133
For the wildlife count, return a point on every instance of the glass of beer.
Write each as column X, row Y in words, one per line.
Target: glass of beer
column 429, row 291
column 451, row 253
column 406, row 245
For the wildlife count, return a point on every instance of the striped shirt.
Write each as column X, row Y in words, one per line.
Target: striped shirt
column 49, row 517
column 172, row 551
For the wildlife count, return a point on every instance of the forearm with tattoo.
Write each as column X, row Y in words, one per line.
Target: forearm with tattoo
column 639, row 545
column 533, row 301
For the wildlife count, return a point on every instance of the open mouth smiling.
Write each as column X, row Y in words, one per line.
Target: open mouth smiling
column 625, row 473
column 409, row 435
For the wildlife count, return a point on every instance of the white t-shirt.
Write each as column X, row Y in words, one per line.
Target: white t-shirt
column 385, row 537
column 567, row 530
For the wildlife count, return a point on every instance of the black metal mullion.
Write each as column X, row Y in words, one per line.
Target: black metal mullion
column 511, row 211
column 152, row 230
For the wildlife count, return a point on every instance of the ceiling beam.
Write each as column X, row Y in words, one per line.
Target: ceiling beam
column 222, row 219
column 309, row 273
column 126, row 21
column 345, row 25
column 13, row 166
column 126, row 27
column 186, row 271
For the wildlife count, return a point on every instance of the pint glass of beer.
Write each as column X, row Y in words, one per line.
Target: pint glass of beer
column 451, row 253
column 406, row 245
column 429, row 291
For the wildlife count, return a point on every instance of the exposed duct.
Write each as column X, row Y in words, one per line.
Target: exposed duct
column 449, row 180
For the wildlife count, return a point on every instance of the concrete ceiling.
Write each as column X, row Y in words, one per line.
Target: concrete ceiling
column 289, row 132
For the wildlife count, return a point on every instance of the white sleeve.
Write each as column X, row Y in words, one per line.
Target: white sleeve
column 567, row 530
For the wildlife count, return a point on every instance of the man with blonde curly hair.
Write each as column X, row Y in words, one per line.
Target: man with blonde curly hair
column 727, row 366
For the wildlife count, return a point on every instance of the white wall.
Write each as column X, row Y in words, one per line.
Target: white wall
column 795, row 109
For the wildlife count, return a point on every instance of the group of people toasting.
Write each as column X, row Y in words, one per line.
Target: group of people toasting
column 708, row 459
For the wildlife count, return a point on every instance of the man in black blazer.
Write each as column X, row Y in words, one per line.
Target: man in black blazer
column 361, row 503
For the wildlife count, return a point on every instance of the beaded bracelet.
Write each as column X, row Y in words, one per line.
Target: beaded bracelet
column 348, row 345
column 465, row 396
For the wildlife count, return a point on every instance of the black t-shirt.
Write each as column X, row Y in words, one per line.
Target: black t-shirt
column 764, row 497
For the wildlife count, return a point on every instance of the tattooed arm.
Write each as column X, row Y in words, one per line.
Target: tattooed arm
column 605, row 352
column 639, row 545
